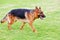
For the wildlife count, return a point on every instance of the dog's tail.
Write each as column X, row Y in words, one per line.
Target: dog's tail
column 3, row 20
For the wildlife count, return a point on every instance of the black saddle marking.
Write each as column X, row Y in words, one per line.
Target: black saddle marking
column 20, row 13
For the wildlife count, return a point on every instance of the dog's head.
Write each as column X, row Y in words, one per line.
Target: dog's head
column 39, row 13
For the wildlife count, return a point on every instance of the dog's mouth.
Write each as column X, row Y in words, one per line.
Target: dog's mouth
column 42, row 16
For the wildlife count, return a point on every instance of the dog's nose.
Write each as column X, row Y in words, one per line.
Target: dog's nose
column 44, row 16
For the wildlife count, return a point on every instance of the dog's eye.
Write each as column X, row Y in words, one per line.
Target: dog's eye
column 41, row 13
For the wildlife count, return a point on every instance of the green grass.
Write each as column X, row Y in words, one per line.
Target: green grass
column 48, row 29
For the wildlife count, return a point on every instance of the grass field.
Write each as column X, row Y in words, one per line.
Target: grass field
column 48, row 29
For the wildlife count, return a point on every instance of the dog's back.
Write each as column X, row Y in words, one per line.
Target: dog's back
column 20, row 13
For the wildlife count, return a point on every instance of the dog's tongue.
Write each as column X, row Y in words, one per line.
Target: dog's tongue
column 41, row 18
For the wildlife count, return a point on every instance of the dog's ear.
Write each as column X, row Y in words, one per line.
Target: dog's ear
column 36, row 7
column 39, row 7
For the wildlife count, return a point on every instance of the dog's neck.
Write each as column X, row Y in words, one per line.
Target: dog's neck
column 35, row 15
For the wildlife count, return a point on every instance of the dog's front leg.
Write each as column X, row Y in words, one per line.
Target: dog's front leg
column 30, row 19
column 31, row 25
column 22, row 25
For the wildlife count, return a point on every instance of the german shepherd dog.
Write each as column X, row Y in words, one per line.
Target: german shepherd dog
column 25, row 15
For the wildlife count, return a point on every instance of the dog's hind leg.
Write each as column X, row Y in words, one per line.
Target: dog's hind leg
column 22, row 25
column 10, row 20
column 9, row 26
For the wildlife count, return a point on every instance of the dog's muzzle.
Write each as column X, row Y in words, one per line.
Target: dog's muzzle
column 42, row 16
